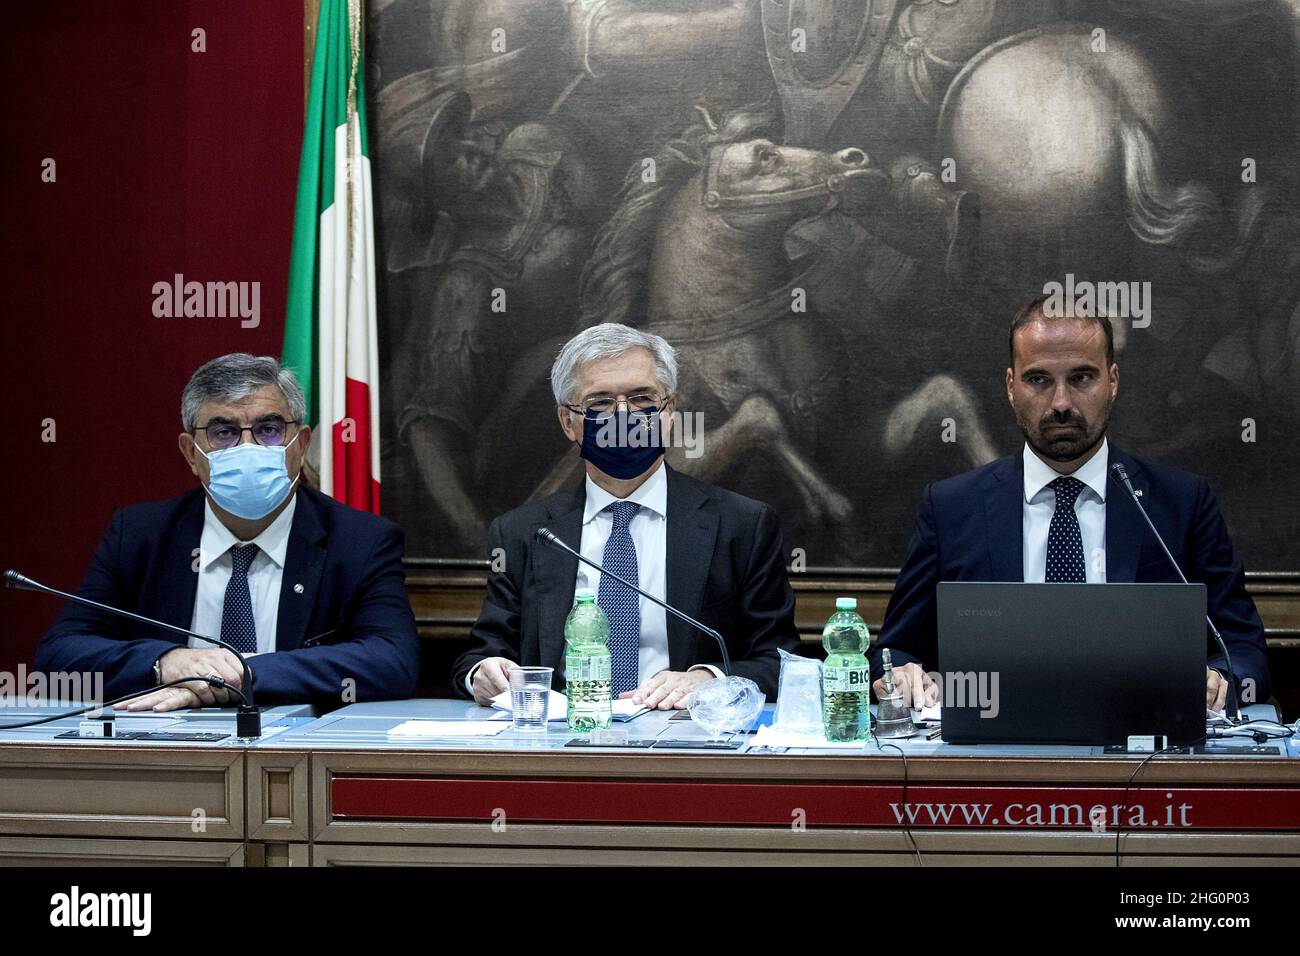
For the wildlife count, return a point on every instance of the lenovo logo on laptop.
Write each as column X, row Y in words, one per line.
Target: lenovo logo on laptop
column 979, row 612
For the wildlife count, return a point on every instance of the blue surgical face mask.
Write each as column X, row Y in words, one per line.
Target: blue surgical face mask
column 623, row 446
column 249, row 480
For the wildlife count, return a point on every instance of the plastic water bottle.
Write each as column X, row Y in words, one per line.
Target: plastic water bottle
column 587, row 666
column 846, row 675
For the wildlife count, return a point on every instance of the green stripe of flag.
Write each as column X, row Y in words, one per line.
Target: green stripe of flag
column 326, row 112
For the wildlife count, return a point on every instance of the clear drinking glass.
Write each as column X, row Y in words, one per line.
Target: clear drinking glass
column 530, row 692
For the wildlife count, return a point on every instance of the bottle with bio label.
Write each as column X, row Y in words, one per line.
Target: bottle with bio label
column 587, row 666
column 846, row 675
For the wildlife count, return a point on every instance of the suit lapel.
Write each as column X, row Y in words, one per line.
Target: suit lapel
column 1125, row 527
column 555, row 573
column 1004, row 512
column 303, row 563
column 691, row 536
column 178, row 577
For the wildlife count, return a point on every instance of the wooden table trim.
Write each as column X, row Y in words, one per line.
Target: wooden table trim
column 147, row 769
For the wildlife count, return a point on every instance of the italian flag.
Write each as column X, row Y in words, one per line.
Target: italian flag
column 330, row 334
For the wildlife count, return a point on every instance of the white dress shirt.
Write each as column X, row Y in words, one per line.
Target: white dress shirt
column 1089, row 507
column 264, row 576
column 649, row 530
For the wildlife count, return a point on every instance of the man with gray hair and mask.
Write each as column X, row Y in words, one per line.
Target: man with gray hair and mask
column 711, row 553
column 310, row 591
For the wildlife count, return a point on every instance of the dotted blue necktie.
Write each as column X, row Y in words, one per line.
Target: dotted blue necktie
column 621, row 604
column 238, row 627
column 1064, row 539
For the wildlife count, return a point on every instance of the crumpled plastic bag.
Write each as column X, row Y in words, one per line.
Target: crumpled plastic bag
column 799, row 696
column 726, row 705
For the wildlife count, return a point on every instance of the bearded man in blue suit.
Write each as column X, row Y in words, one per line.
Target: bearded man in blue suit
column 1049, row 513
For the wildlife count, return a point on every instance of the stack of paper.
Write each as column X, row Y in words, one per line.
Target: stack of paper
column 558, row 707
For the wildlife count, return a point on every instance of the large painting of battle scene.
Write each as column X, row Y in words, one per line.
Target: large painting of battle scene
column 832, row 209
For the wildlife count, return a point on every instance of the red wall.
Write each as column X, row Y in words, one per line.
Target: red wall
column 167, row 161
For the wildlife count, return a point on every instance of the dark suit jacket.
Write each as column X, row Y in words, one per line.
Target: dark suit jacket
column 970, row 528
column 348, row 562
column 725, row 568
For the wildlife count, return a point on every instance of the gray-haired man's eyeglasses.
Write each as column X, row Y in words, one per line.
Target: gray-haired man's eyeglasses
column 604, row 407
column 224, row 434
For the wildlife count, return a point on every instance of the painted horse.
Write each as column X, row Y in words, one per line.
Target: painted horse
column 696, row 252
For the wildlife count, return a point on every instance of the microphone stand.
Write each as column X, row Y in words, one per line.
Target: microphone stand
column 545, row 534
column 248, row 718
column 1121, row 474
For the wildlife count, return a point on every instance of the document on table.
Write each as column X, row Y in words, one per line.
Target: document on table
column 768, row 736
column 557, row 707
column 446, row 728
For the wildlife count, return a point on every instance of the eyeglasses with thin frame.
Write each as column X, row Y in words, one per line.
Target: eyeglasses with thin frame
column 602, row 407
column 265, row 431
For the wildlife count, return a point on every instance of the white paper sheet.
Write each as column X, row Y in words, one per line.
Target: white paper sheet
column 446, row 728
column 768, row 736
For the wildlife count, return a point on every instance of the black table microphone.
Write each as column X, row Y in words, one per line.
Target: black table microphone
column 248, row 718
column 1234, row 712
column 545, row 534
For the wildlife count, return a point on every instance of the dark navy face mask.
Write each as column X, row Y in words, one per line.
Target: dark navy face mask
column 624, row 445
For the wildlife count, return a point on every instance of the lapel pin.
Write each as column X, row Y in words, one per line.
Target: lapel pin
column 1138, row 492
column 298, row 589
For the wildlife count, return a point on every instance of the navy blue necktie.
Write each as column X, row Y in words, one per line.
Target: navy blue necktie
column 238, row 626
column 1064, row 539
column 621, row 604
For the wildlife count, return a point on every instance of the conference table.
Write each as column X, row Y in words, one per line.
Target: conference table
column 395, row 783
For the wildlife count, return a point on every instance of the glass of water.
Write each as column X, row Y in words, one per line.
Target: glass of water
column 530, row 693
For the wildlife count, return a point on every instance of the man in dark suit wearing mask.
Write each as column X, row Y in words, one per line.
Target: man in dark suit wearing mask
column 310, row 591
column 713, row 554
column 1051, row 512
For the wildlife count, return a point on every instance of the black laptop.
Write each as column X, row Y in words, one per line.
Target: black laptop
column 1072, row 663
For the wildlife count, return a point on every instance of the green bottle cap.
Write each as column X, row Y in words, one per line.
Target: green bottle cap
column 846, row 604
column 584, row 595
